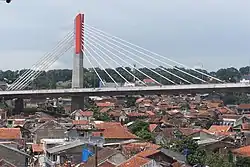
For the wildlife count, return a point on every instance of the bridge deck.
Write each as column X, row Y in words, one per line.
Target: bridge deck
column 195, row 88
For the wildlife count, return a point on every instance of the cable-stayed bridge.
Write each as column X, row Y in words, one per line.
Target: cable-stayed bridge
column 101, row 50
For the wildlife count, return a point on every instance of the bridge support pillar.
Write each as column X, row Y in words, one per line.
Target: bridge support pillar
column 77, row 73
column 77, row 102
column 19, row 106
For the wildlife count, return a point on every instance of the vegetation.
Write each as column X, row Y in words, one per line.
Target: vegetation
column 130, row 101
column 243, row 162
column 48, row 79
column 97, row 114
column 236, row 98
column 198, row 156
column 140, row 129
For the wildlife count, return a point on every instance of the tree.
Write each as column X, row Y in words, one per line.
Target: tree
column 185, row 106
column 229, row 74
column 139, row 125
column 216, row 160
column 102, row 116
column 196, row 155
column 140, row 129
column 145, row 134
column 130, row 101
column 245, row 70
column 243, row 162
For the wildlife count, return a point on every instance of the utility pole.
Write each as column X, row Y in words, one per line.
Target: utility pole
column 96, row 162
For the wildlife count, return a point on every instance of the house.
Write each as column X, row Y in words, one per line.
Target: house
column 113, row 131
column 132, row 116
column 105, row 110
column 11, row 134
column 13, row 156
column 144, row 104
column 154, row 128
column 37, row 149
column 131, row 149
column 242, row 151
column 6, row 163
column 117, row 116
column 150, row 113
column 82, row 115
column 243, row 109
column 105, row 104
column 169, row 134
column 48, row 130
column 218, row 144
column 220, row 128
column 163, row 157
column 137, row 161
column 66, row 151
column 229, row 119
column 81, row 129
column 106, row 155
column 241, row 123
column 11, row 123
column 3, row 114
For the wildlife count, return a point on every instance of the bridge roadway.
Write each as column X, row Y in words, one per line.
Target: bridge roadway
column 149, row 90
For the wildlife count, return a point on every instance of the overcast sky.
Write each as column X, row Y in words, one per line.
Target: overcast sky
column 214, row 33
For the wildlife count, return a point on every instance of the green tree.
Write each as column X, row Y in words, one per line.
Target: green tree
column 185, row 106
column 189, row 147
column 216, row 160
column 140, row 129
column 130, row 101
column 229, row 74
column 245, row 70
column 197, row 157
column 139, row 125
column 145, row 134
column 101, row 116
column 243, row 162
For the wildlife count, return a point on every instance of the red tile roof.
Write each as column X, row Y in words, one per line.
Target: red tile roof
column 136, row 114
column 115, row 114
column 80, row 122
column 147, row 153
column 139, row 100
column 87, row 113
column 135, row 161
column 107, row 104
column 131, row 148
column 152, row 127
column 219, row 128
column 244, row 106
column 246, row 126
column 114, row 130
column 38, row 148
column 105, row 109
column 150, row 113
column 243, row 151
column 10, row 133
column 231, row 116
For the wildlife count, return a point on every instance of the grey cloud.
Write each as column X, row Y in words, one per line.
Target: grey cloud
column 214, row 33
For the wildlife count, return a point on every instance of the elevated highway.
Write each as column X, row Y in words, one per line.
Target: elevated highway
column 150, row 90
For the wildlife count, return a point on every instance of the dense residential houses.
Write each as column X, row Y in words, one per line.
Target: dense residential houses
column 81, row 139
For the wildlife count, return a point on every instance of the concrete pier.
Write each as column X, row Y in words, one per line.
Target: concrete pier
column 77, row 73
